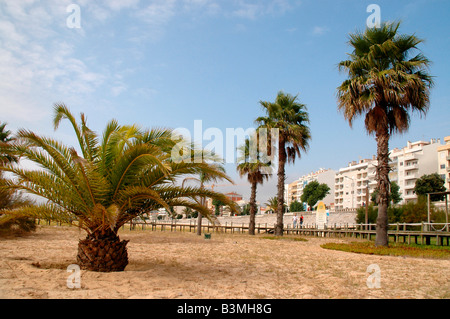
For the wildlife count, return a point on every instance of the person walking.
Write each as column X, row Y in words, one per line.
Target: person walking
column 301, row 221
column 294, row 220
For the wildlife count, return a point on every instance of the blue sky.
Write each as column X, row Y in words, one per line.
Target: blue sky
column 168, row 63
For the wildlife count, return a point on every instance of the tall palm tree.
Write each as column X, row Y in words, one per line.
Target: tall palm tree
column 387, row 80
column 250, row 165
column 122, row 174
column 291, row 118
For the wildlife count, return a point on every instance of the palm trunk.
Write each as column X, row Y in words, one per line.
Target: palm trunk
column 280, row 186
column 199, row 224
column 251, row 225
column 383, row 185
column 102, row 251
column 200, row 216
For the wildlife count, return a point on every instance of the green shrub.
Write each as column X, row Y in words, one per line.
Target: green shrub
column 372, row 215
column 414, row 212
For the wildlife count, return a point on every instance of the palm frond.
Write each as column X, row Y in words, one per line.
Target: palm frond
column 385, row 79
column 42, row 211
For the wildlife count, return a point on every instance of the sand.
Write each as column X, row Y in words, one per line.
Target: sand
column 184, row 265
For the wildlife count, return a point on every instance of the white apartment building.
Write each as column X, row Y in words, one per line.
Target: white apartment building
column 352, row 182
column 410, row 163
column 294, row 190
column 444, row 162
column 349, row 185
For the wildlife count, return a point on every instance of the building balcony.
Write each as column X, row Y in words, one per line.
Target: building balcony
column 410, row 176
column 410, row 186
column 409, row 157
column 410, row 196
column 411, row 167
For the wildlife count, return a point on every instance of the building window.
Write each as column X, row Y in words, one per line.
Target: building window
column 442, row 166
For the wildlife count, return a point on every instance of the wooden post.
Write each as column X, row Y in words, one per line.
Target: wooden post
column 396, row 234
column 366, row 220
column 446, row 211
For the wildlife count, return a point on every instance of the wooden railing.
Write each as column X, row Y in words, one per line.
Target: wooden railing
column 401, row 232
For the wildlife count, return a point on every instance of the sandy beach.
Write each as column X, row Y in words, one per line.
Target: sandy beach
column 184, row 265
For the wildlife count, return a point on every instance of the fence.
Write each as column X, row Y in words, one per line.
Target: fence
column 401, row 232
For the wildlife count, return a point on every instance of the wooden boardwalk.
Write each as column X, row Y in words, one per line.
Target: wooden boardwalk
column 418, row 233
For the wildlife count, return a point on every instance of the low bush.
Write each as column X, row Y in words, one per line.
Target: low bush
column 421, row 251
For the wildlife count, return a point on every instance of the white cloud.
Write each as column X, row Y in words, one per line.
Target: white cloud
column 320, row 30
column 248, row 11
column 252, row 10
column 38, row 63
column 38, row 52
column 158, row 12
column 209, row 7
column 118, row 5
column 117, row 90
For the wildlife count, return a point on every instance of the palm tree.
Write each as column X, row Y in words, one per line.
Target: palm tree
column 5, row 158
column 272, row 203
column 121, row 175
column 256, row 172
column 291, row 118
column 5, row 141
column 9, row 198
column 206, row 177
column 387, row 80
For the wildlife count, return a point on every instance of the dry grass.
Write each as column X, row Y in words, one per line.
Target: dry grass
column 184, row 265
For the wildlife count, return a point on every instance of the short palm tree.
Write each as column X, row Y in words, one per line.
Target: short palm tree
column 122, row 174
column 205, row 177
column 387, row 80
column 5, row 140
column 9, row 198
column 291, row 118
column 250, row 165
column 272, row 203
